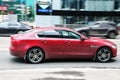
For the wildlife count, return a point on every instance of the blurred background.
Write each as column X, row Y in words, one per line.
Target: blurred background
column 68, row 13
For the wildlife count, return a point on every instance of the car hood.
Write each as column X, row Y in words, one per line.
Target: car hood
column 105, row 41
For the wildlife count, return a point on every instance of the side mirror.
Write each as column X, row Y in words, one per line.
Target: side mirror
column 83, row 38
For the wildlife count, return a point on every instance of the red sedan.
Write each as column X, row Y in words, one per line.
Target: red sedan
column 37, row 45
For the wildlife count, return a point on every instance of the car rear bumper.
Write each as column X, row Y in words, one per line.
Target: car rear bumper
column 17, row 52
column 114, row 51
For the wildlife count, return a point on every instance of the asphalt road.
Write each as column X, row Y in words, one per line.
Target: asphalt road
column 8, row 62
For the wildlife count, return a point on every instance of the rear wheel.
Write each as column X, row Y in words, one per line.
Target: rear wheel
column 35, row 55
column 103, row 54
column 111, row 35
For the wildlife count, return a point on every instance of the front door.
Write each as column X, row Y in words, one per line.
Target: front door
column 74, row 47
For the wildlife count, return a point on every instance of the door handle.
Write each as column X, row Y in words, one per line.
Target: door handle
column 68, row 42
column 44, row 41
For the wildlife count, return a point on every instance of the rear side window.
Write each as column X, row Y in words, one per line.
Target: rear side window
column 113, row 24
column 49, row 34
column 104, row 25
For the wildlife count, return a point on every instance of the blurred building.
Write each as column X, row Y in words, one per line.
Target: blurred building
column 52, row 12
column 17, row 7
column 73, row 11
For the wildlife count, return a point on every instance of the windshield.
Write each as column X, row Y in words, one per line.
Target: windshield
column 4, row 24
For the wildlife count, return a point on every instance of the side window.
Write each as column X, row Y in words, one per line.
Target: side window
column 113, row 24
column 22, row 24
column 40, row 34
column 13, row 25
column 52, row 34
column 104, row 25
column 70, row 35
column 65, row 34
column 74, row 35
column 96, row 26
column 49, row 34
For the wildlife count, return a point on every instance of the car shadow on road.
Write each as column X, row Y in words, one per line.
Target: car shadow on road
column 22, row 61
column 18, row 60
column 76, row 60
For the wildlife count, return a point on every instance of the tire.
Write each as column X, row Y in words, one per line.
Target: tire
column 111, row 35
column 84, row 33
column 103, row 54
column 35, row 55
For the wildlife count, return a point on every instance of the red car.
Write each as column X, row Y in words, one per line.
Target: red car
column 37, row 45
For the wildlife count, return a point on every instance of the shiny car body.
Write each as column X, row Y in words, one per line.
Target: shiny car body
column 60, row 43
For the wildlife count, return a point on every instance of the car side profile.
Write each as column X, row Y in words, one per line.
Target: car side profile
column 37, row 45
column 100, row 28
column 9, row 28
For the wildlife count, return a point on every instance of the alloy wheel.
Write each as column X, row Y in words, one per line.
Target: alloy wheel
column 104, row 54
column 35, row 55
column 112, row 35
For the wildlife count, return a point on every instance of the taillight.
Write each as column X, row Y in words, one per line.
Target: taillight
column 14, row 40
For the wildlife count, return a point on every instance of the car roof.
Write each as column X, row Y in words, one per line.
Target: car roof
column 57, row 28
column 105, row 22
column 60, row 28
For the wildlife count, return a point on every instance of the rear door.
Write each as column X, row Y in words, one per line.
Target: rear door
column 52, row 43
column 99, row 29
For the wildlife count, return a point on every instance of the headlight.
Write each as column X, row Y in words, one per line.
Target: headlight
column 114, row 47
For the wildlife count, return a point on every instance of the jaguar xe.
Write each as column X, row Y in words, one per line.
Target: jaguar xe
column 38, row 45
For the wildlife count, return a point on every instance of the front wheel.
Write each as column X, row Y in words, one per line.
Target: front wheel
column 104, row 54
column 35, row 55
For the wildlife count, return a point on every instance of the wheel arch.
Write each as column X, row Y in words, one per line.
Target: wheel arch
column 94, row 58
column 34, row 47
column 113, row 31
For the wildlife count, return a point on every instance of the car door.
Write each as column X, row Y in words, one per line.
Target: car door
column 52, row 43
column 94, row 29
column 98, row 29
column 73, row 46
column 12, row 28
